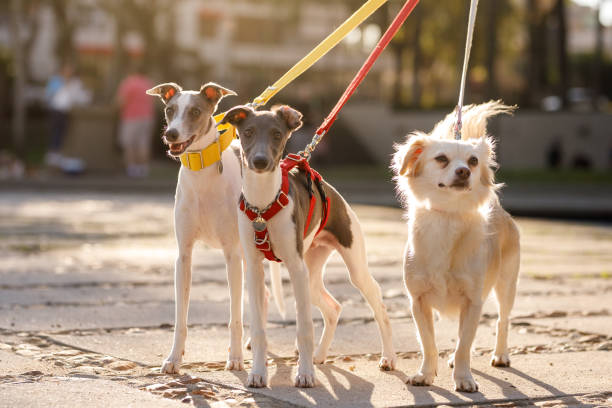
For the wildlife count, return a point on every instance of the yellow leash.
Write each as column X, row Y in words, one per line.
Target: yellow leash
column 228, row 132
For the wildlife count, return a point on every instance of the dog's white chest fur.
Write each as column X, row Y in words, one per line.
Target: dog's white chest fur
column 444, row 257
column 205, row 201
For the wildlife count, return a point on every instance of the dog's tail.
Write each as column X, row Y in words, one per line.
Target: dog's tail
column 277, row 288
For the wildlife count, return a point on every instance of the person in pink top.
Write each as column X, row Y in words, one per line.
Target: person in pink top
column 136, row 125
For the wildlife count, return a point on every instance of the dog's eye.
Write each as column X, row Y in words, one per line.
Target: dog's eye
column 442, row 159
column 170, row 111
column 247, row 133
column 195, row 112
column 473, row 161
column 277, row 135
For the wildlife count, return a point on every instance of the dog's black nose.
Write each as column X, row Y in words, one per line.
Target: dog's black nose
column 463, row 173
column 260, row 162
column 171, row 135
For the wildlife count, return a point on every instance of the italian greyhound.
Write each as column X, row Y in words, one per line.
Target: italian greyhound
column 204, row 209
column 294, row 240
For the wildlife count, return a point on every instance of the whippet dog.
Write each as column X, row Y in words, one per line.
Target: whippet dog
column 204, row 207
column 292, row 237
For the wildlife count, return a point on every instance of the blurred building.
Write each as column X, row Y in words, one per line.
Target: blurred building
column 247, row 45
column 241, row 44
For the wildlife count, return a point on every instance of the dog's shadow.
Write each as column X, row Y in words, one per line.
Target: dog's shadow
column 425, row 395
column 344, row 386
column 512, row 392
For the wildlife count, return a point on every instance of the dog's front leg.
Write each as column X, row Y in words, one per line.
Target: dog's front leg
column 233, row 260
column 423, row 317
column 305, row 377
column 258, row 377
column 468, row 323
column 182, row 287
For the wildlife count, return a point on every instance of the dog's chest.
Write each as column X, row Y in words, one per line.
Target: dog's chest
column 446, row 255
column 206, row 203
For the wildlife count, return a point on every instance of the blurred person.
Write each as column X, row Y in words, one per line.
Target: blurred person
column 63, row 92
column 136, row 125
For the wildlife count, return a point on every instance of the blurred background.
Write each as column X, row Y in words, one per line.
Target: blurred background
column 63, row 63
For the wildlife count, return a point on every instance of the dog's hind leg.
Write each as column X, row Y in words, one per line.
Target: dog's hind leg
column 356, row 261
column 182, row 287
column 233, row 260
column 315, row 259
column 505, row 291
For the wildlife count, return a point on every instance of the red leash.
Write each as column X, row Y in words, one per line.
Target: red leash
column 365, row 68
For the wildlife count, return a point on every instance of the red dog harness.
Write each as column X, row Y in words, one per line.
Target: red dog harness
column 259, row 218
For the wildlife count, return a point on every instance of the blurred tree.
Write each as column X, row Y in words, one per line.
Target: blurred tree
column 491, row 18
column 561, row 31
column 30, row 16
column 598, row 60
column 66, row 24
column 18, row 123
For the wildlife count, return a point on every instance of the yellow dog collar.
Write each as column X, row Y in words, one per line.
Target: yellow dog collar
column 212, row 153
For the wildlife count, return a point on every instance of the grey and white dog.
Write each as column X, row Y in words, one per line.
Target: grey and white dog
column 204, row 209
column 263, row 135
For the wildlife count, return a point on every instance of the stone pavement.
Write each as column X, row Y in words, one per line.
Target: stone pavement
column 86, row 314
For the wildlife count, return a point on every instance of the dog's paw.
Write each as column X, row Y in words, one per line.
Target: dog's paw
column 318, row 358
column 387, row 363
column 466, row 383
column 257, row 380
column 234, row 364
column 170, row 366
column 305, row 380
column 421, row 379
column 500, row 360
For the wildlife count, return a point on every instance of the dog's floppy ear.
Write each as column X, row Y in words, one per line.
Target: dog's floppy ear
column 290, row 116
column 165, row 91
column 236, row 115
column 407, row 155
column 215, row 92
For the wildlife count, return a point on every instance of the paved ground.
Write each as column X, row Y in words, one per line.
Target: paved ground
column 86, row 314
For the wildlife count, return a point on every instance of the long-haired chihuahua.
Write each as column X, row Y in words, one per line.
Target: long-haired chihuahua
column 461, row 242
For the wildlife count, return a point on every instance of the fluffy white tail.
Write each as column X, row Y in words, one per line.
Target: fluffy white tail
column 277, row 287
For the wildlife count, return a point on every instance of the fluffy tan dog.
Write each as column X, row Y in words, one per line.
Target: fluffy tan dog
column 461, row 242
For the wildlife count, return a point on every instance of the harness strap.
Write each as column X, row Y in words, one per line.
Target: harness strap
column 262, row 238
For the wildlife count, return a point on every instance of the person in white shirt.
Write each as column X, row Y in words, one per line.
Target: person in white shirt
column 63, row 92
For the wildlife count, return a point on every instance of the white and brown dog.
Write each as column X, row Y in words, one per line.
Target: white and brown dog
column 205, row 209
column 461, row 242
column 297, row 239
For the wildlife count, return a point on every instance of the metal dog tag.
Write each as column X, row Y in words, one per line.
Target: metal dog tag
column 259, row 224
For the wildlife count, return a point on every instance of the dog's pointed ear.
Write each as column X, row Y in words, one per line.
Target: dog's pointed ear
column 165, row 91
column 215, row 92
column 236, row 115
column 290, row 116
column 405, row 160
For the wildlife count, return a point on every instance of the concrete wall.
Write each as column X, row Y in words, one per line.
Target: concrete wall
column 523, row 139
